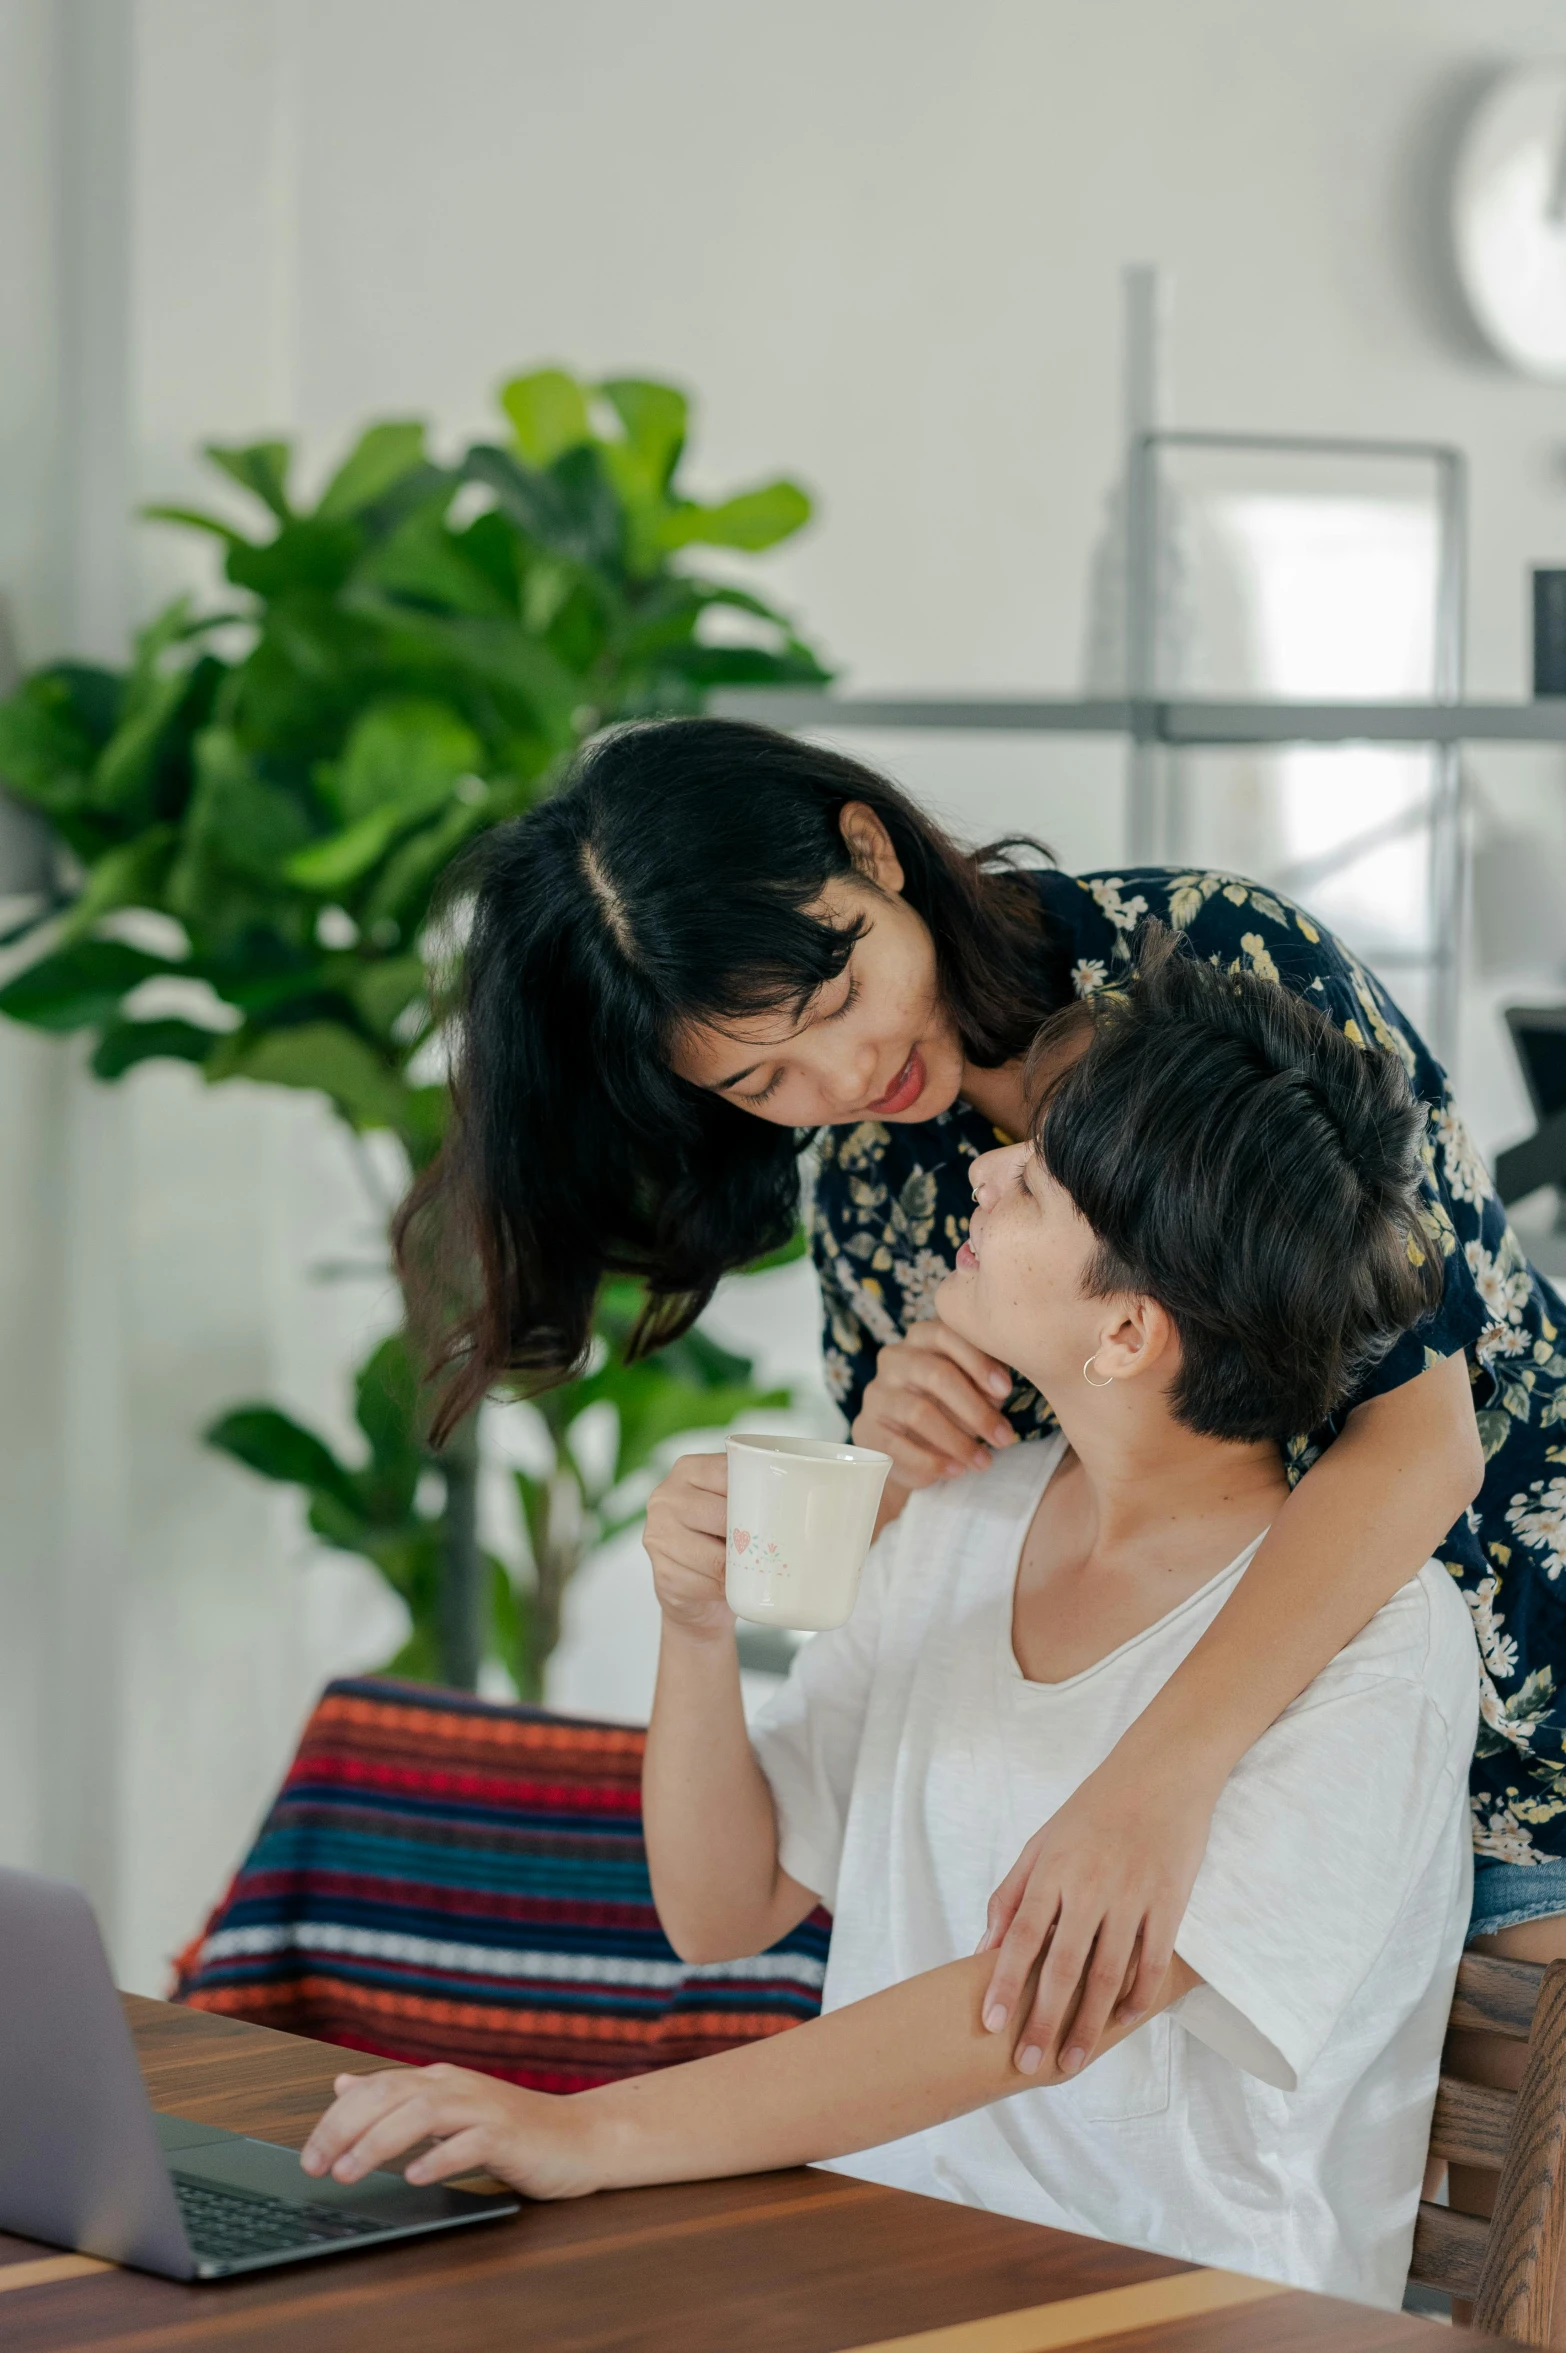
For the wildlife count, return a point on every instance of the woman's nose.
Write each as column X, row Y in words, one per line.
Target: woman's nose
column 993, row 1170
column 849, row 1086
column 982, row 1174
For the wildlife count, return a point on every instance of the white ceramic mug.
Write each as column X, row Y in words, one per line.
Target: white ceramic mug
column 801, row 1516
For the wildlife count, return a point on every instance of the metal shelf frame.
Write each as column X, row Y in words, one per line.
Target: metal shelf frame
column 1193, row 723
column 1184, row 722
column 1156, row 798
column 1150, row 721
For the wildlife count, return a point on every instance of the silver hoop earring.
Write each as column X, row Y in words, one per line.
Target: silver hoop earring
column 1087, row 1374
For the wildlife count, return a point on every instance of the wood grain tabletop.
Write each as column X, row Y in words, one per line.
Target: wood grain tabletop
column 796, row 2262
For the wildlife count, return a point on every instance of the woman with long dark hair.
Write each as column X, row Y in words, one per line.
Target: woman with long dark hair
column 718, row 947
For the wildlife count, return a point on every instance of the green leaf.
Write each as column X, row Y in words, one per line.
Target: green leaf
column 79, row 986
column 277, row 1447
column 196, row 519
column 386, row 1405
column 654, row 1407
column 424, row 1122
column 512, row 1621
column 406, row 755
column 258, row 973
column 322, row 1055
column 379, row 459
column 570, row 508
column 743, row 665
column 126, row 763
column 498, row 655
column 404, row 883
column 238, row 826
column 349, row 1526
column 411, row 1560
column 548, row 414
column 422, row 560
column 306, row 678
column 175, row 624
column 386, row 988
column 131, row 876
column 655, row 417
column 401, row 764
column 669, row 612
column 755, row 519
column 533, row 1496
column 419, row 1660
column 387, row 1408
column 329, row 868
column 125, row 1043
column 47, row 750
column 312, row 553
column 262, row 469
column 696, row 1356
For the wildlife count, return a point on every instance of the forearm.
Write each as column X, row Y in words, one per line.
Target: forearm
column 905, row 2059
column 711, row 1833
column 1359, row 1525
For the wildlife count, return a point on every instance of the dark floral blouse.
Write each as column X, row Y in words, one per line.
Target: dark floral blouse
column 890, row 1207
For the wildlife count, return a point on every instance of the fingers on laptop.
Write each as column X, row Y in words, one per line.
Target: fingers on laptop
column 375, row 2118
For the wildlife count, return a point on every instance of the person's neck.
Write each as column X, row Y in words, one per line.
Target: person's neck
column 1144, row 1472
column 998, row 1096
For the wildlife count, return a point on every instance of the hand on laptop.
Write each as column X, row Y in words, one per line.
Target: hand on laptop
column 541, row 2145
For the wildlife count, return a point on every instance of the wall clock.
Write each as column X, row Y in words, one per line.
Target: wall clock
column 1509, row 218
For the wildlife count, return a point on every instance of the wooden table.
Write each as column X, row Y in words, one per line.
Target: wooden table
column 784, row 2263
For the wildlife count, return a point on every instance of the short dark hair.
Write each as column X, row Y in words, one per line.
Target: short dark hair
column 672, row 879
column 1247, row 1166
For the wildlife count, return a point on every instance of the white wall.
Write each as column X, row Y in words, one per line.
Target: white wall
column 882, row 240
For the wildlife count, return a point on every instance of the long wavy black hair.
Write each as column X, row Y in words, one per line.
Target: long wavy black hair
column 669, row 881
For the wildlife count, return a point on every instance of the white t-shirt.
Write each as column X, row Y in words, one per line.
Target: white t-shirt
column 1274, row 2121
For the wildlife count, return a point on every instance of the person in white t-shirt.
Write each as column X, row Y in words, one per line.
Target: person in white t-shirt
column 1212, row 1232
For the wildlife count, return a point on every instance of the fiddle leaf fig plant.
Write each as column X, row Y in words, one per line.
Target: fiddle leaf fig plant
column 252, row 817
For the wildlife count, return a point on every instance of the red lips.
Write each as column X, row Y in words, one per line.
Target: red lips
column 904, row 1090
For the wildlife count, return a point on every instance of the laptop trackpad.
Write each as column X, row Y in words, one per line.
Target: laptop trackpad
column 179, row 2132
column 232, row 2162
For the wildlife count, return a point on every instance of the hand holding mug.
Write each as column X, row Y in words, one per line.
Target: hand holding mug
column 686, row 1538
column 777, row 1533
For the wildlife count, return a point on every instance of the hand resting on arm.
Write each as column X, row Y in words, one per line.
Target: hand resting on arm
column 1105, row 1883
column 910, row 2057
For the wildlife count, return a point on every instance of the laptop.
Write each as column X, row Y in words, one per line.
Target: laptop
column 86, row 2163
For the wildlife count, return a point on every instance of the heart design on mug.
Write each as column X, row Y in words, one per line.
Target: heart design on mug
column 741, row 1540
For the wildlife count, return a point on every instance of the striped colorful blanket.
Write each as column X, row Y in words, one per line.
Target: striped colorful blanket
column 441, row 1878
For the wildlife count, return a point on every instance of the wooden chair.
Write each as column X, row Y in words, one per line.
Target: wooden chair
column 1504, row 2264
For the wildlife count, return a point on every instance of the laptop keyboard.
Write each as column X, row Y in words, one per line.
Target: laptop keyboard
column 227, row 2224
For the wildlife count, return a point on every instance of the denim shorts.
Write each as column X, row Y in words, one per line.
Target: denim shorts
column 1507, row 1894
